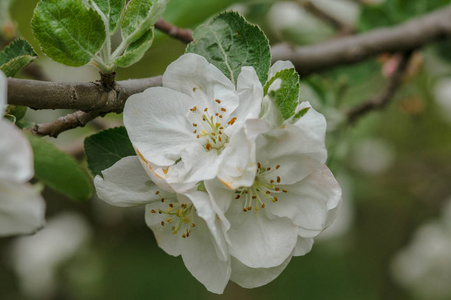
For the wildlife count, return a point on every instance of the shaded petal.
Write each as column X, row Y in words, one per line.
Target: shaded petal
column 238, row 165
column 303, row 246
column 307, row 203
column 203, row 204
column 221, row 195
column 3, row 93
column 298, row 151
column 126, row 184
column 254, row 277
column 157, row 125
column 250, row 93
column 196, row 164
column 194, row 76
column 312, row 120
column 16, row 156
column 279, row 66
column 257, row 240
column 199, row 256
column 22, row 209
column 198, row 250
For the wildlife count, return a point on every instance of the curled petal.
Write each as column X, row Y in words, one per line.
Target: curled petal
column 308, row 202
column 250, row 93
column 312, row 120
column 279, row 66
column 303, row 246
column 126, row 184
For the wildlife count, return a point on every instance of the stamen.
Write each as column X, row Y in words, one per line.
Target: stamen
column 278, row 179
column 193, row 109
column 277, row 167
column 223, row 109
column 208, row 146
column 218, row 101
column 194, row 124
column 153, row 211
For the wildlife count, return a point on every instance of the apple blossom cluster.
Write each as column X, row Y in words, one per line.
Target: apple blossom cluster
column 228, row 184
column 22, row 208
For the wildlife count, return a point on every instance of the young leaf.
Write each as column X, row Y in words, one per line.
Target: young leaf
column 286, row 97
column 112, row 10
column 68, row 31
column 105, row 148
column 135, row 51
column 59, row 171
column 17, row 55
column 140, row 16
column 230, row 42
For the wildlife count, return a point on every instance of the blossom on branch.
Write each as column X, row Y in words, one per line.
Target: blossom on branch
column 230, row 182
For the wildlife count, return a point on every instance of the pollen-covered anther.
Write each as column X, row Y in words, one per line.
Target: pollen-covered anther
column 194, row 124
column 193, row 109
column 153, row 211
column 237, row 197
column 278, row 179
column 162, row 223
column 268, row 192
column 285, row 191
column 157, row 192
column 263, row 205
column 249, row 208
column 218, row 101
column 208, row 146
column 232, row 121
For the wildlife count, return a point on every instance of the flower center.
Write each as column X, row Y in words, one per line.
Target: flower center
column 210, row 127
column 264, row 189
column 179, row 215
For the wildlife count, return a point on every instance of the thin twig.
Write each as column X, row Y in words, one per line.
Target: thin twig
column 185, row 35
column 340, row 26
column 380, row 101
column 70, row 121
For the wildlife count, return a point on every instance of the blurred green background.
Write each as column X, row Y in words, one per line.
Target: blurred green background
column 394, row 167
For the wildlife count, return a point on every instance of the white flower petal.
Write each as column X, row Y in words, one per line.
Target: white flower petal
column 279, row 66
column 254, row 277
column 157, row 125
column 200, row 257
column 194, row 76
column 312, row 120
column 22, row 208
column 307, row 203
column 270, row 112
column 16, row 156
column 204, row 209
column 126, row 184
column 258, row 241
column 303, row 246
column 238, row 165
column 3, row 93
column 297, row 151
column 196, row 164
column 250, row 93
column 221, row 195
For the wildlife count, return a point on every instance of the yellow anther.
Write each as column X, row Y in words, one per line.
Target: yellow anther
column 277, row 167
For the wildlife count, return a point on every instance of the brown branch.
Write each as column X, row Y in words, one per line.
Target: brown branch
column 340, row 26
column 85, row 96
column 70, row 121
column 185, row 35
column 380, row 101
column 352, row 49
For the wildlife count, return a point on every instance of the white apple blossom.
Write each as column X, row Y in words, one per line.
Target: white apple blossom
column 292, row 199
column 22, row 208
column 197, row 122
column 183, row 224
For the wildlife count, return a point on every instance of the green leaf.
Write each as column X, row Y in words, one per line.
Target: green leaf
column 286, row 97
column 17, row 55
column 59, row 171
column 68, row 31
column 301, row 113
column 135, row 51
column 230, row 42
column 107, row 147
column 112, row 10
column 140, row 16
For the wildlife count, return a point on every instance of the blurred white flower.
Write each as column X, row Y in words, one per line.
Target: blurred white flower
column 424, row 266
column 372, row 156
column 35, row 259
column 22, row 208
column 442, row 92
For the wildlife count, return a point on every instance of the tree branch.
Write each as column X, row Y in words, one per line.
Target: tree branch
column 411, row 35
column 70, row 121
column 85, row 96
column 381, row 100
column 185, row 35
